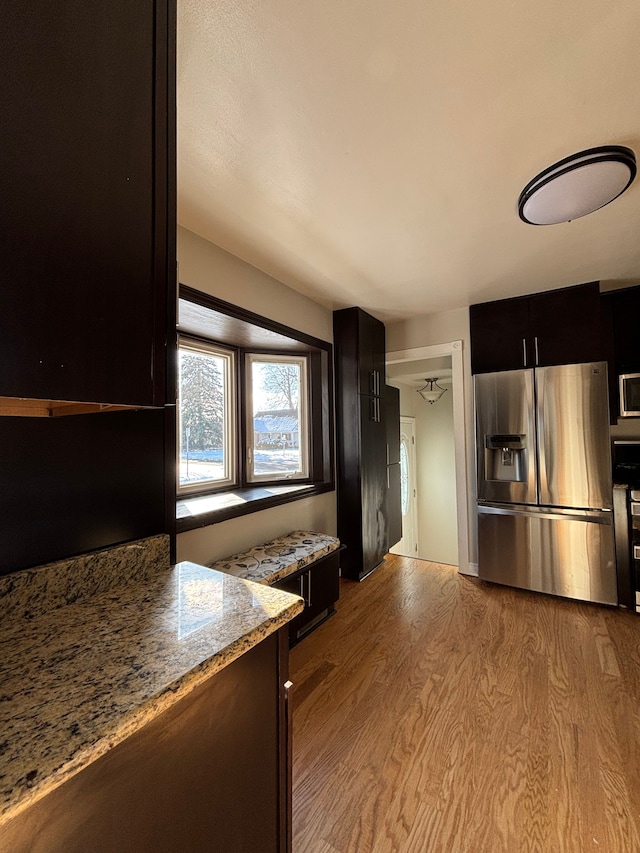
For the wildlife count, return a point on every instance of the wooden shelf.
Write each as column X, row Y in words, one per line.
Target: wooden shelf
column 22, row 407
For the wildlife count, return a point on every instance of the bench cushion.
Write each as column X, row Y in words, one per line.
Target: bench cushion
column 272, row 561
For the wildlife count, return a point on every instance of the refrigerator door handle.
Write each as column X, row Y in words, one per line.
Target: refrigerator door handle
column 524, row 352
column 603, row 516
column 535, row 341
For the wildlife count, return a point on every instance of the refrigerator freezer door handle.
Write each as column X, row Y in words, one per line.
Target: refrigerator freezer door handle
column 603, row 516
column 535, row 342
column 524, row 352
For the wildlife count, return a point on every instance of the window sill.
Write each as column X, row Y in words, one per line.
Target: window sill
column 204, row 510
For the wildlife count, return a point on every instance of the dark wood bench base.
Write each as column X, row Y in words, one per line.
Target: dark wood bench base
column 319, row 585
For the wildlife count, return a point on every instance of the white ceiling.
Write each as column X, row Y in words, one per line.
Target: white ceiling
column 369, row 152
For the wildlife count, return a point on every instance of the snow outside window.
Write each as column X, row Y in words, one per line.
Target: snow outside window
column 207, row 416
column 277, row 418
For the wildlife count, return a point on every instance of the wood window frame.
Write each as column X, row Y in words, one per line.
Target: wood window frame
column 230, row 425
column 226, row 325
column 304, row 425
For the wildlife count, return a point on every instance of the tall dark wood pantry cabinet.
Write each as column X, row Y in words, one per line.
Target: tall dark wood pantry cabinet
column 359, row 345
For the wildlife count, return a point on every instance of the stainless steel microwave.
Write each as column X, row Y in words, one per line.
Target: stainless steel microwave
column 630, row 395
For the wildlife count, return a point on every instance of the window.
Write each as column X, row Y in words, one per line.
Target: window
column 277, row 428
column 255, row 412
column 207, row 416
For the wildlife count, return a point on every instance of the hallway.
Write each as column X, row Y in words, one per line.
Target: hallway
column 438, row 714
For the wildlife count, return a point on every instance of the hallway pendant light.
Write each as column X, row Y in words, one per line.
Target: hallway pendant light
column 429, row 393
column 577, row 185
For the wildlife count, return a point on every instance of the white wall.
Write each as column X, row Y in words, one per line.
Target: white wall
column 435, row 458
column 435, row 474
column 237, row 534
column 407, row 398
column 441, row 328
column 208, row 268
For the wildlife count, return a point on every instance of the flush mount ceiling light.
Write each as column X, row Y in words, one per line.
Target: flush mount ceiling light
column 577, row 185
column 429, row 393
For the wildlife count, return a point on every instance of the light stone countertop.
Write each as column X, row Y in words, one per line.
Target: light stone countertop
column 81, row 677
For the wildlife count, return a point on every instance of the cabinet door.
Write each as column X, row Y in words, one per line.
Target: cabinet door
column 392, row 423
column 499, row 335
column 620, row 321
column 373, row 487
column 371, row 354
column 84, row 185
column 394, row 505
column 210, row 773
column 626, row 323
column 323, row 585
column 565, row 325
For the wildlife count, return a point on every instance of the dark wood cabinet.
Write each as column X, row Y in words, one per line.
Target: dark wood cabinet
column 87, row 303
column 626, row 329
column 359, row 345
column 372, row 528
column 621, row 320
column 394, row 485
column 212, row 772
column 88, row 196
column 371, row 354
column 499, row 335
column 319, row 585
column 394, row 505
column 555, row 327
column 362, row 352
column 566, row 325
column 392, row 422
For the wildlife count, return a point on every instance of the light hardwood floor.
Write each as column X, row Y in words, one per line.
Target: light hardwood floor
column 437, row 714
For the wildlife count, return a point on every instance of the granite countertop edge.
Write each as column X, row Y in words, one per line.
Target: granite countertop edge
column 174, row 628
column 136, row 719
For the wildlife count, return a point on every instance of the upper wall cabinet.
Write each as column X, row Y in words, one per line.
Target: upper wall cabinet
column 362, row 347
column 626, row 329
column 555, row 327
column 621, row 321
column 87, row 304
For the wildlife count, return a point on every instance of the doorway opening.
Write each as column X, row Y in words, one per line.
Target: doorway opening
column 440, row 472
column 408, row 545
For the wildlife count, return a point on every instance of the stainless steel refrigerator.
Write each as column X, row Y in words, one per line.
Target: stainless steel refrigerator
column 545, row 494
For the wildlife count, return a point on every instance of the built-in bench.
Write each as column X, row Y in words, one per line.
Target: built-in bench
column 302, row 562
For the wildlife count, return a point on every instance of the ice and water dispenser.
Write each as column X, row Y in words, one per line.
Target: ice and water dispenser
column 506, row 437
column 505, row 458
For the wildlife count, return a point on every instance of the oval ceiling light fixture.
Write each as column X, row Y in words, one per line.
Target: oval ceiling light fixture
column 577, row 185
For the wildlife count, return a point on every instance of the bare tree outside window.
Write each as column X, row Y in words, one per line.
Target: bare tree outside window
column 203, row 410
column 281, row 385
column 278, row 418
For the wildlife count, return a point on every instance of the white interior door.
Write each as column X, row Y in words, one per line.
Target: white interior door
column 408, row 545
